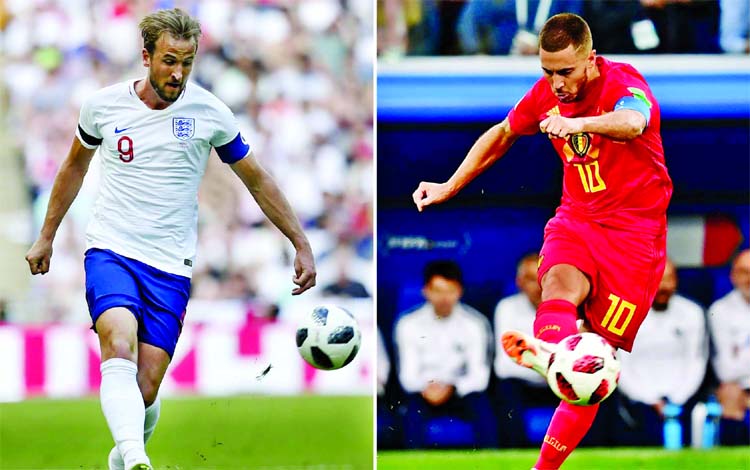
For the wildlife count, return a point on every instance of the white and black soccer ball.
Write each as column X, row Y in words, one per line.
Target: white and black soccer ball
column 584, row 369
column 328, row 337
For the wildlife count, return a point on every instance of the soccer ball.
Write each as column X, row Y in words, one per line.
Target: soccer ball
column 328, row 338
column 584, row 369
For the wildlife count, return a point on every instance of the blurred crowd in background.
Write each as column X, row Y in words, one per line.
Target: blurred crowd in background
column 298, row 77
column 439, row 388
column 499, row 27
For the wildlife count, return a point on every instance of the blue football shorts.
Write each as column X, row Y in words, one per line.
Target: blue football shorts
column 156, row 298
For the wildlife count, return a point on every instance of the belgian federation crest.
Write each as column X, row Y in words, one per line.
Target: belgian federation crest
column 183, row 128
column 580, row 143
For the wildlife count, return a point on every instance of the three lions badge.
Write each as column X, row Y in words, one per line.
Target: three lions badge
column 183, row 128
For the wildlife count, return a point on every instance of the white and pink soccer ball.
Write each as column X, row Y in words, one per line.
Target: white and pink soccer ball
column 584, row 369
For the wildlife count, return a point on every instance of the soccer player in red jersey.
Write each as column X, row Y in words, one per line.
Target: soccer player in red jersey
column 604, row 250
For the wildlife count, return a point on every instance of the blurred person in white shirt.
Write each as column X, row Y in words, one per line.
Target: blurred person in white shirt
column 444, row 353
column 667, row 364
column 388, row 424
column 729, row 323
column 519, row 388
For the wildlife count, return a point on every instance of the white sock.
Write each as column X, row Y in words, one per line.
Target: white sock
column 152, row 416
column 123, row 408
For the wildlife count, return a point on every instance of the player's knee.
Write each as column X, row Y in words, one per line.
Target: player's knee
column 565, row 283
column 118, row 347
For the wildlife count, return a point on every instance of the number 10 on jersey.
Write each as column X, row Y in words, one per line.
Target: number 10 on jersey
column 590, row 178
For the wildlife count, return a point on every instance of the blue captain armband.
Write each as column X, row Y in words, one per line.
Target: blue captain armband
column 233, row 151
column 636, row 104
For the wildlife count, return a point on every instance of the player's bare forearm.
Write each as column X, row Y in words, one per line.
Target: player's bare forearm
column 65, row 188
column 623, row 124
column 271, row 200
column 274, row 205
column 486, row 150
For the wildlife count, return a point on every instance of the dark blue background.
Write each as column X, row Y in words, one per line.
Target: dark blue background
column 427, row 123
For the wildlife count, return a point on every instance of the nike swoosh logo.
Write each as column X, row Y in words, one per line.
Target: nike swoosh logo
column 117, row 131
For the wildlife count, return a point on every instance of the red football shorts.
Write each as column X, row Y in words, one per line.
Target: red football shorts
column 624, row 268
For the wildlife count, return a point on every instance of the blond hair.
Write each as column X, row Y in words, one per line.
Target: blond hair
column 175, row 22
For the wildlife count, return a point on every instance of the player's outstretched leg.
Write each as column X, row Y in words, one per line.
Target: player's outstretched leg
column 568, row 426
column 153, row 411
column 555, row 320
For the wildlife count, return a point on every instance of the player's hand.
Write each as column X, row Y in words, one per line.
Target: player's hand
column 437, row 393
column 659, row 407
column 39, row 256
column 559, row 126
column 430, row 193
column 304, row 271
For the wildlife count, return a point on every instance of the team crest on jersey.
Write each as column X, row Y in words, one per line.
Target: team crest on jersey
column 183, row 128
column 580, row 143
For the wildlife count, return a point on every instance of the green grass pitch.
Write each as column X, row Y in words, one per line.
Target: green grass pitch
column 581, row 459
column 248, row 432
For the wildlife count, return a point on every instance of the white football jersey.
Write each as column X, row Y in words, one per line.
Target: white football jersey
column 152, row 165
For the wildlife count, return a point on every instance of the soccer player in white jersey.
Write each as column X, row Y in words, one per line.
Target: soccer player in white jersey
column 154, row 136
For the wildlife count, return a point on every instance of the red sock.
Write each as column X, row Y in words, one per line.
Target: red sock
column 568, row 426
column 555, row 320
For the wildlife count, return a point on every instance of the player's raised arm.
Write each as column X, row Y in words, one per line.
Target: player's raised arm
column 486, row 150
column 65, row 189
column 621, row 124
column 272, row 202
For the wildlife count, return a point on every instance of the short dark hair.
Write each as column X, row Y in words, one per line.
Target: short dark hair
column 565, row 29
column 531, row 257
column 174, row 22
column 443, row 268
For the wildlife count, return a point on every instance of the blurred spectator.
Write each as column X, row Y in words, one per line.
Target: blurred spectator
column 503, row 27
column 500, row 27
column 667, row 364
column 617, row 23
column 444, row 350
column 448, row 14
column 729, row 321
column 734, row 26
column 389, row 431
column 3, row 310
column 685, row 26
column 519, row 388
column 394, row 18
column 344, row 285
column 384, row 365
column 298, row 76
column 418, row 27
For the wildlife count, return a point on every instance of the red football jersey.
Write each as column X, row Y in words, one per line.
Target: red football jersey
column 622, row 184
